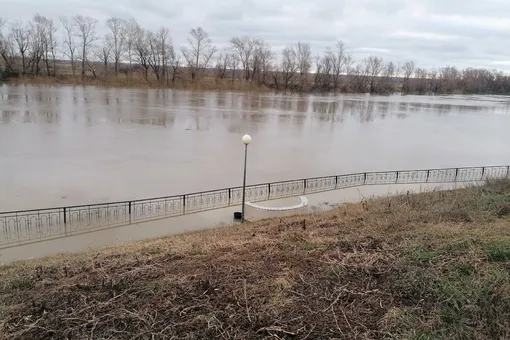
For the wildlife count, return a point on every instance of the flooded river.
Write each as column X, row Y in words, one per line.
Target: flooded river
column 77, row 145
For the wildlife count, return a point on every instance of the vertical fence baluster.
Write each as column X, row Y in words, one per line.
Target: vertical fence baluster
column 16, row 226
column 129, row 211
column 184, row 204
column 65, row 222
column 396, row 180
column 456, row 173
column 268, row 190
column 304, row 186
column 483, row 173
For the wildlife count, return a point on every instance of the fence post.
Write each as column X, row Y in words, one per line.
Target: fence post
column 428, row 175
column 396, row 180
column 456, row 173
column 268, row 190
column 229, row 196
column 184, row 204
column 507, row 171
column 483, row 173
column 304, row 186
column 336, row 182
column 130, row 212
column 65, row 222
column 365, row 178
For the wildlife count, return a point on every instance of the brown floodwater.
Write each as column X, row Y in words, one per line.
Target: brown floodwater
column 76, row 145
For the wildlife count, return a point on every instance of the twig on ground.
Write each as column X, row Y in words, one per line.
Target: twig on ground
column 347, row 320
column 336, row 320
column 275, row 329
column 246, row 301
column 307, row 335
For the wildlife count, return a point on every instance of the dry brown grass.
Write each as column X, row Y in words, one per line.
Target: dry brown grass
column 418, row 266
column 205, row 84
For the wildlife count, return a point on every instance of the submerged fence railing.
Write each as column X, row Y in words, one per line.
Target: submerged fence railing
column 20, row 227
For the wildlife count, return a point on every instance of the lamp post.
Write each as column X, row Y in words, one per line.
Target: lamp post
column 246, row 140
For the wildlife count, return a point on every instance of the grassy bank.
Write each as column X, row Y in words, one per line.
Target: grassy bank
column 205, row 84
column 418, row 266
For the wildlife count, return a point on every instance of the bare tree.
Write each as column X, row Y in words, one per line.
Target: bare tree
column 449, row 77
column 36, row 37
column 141, row 48
column 374, row 66
column 359, row 77
column 199, row 52
column 160, row 46
column 118, row 36
column 349, row 63
column 5, row 51
column 51, row 45
column 175, row 63
column 319, row 69
column 434, row 85
column 408, row 68
column 234, row 65
column 131, row 37
column 166, row 49
column 336, row 58
column 104, row 53
column 304, row 60
column 20, row 34
column 222, row 64
column 70, row 41
column 43, row 43
column 154, row 56
column 389, row 78
column 421, row 83
column 289, row 66
column 478, row 81
column 244, row 47
column 327, row 67
column 2, row 24
column 86, row 35
column 261, row 62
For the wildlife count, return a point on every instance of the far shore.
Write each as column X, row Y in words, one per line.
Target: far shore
column 209, row 83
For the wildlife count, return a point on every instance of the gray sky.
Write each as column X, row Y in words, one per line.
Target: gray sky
column 430, row 32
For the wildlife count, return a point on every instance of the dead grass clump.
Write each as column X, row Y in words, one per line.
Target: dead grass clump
column 414, row 266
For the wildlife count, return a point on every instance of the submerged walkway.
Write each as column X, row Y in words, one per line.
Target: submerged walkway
column 189, row 223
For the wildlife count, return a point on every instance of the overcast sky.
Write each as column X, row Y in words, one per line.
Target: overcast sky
column 431, row 32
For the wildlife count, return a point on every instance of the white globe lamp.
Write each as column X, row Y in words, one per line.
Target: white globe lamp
column 246, row 139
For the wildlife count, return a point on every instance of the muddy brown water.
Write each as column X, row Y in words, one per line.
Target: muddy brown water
column 77, row 145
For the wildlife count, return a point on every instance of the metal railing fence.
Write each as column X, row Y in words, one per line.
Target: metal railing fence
column 26, row 226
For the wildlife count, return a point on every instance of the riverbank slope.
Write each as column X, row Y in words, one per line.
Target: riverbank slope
column 418, row 266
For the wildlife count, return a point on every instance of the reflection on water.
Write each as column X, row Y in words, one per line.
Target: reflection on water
column 70, row 145
column 161, row 107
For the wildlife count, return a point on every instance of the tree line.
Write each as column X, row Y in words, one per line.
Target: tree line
column 71, row 48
